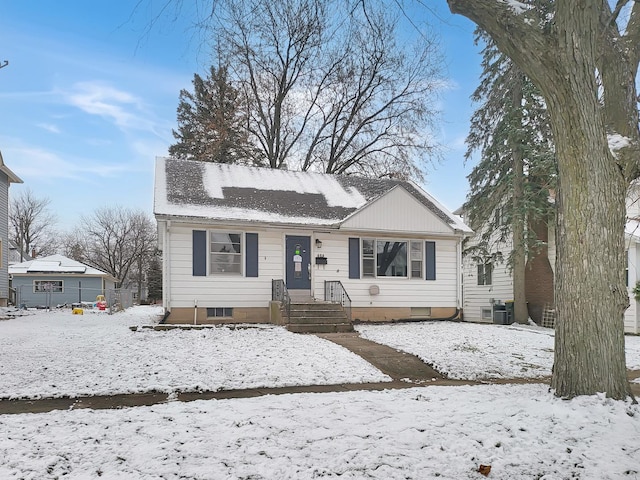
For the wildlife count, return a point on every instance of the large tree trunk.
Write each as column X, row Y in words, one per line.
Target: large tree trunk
column 590, row 291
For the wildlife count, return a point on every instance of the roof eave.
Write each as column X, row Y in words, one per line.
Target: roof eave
column 335, row 224
column 13, row 178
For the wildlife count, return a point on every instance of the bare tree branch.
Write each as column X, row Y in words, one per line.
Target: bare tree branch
column 31, row 224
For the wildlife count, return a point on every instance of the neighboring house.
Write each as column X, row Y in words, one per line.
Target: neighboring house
column 15, row 256
column 632, row 242
column 489, row 285
column 57, row 280
column 487, row 277
column 228, row 233
column 7, row 177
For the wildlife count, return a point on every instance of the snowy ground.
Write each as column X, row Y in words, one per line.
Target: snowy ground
column 472, row 351
column 522, row 431
column 57, row 354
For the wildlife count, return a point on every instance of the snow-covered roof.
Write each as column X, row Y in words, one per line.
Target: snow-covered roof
column 54, row 264
column 13, row 178
column 214, row 191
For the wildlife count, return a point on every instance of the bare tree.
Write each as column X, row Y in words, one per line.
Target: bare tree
column 330, row 91
column 273, row 48
column 375, row 115
column 73, row 245
column 116, row 240
column 31, row 224
column 583, row 56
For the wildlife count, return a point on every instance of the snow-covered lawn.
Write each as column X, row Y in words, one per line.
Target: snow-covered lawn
column 522, row 431
column 55, row 354
column 472, row 351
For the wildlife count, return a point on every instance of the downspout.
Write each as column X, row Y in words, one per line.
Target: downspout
column 460, row 272
column 166, row 271
column 195, row 311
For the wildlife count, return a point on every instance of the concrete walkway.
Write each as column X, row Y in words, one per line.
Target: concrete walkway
column 406, row 371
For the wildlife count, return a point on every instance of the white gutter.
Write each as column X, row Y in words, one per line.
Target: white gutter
column 460, row 272
column 166, row 267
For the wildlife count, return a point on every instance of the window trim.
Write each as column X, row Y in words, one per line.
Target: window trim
column 421, row 274
column 482, row 277
column 53, row 290
column 375, row 240
column 242, row 253
column 212, row 312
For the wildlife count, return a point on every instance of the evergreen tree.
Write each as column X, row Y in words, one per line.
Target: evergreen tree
column 509, row 187
column 211, row 121
column 154, row 278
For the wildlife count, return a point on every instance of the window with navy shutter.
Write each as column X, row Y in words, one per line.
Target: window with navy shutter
column 354, row 258
column 251, row 249
column 199, row 253
column 430, row 254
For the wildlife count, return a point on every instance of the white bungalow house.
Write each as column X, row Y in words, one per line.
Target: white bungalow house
column 230, row 234
column 489, row 285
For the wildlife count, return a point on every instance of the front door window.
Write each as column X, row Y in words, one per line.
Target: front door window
column 298, row 262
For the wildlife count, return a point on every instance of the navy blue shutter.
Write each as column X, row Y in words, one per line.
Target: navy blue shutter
column 430, row 249
column 354, row 258
column 199, row 253
column 251, row 256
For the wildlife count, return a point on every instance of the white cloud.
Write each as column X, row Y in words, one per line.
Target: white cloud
column 49, row 127
column 38, row 163
column 32, row 163
column 103, row 100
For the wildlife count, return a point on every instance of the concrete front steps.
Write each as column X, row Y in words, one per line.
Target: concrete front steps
column 318, row 317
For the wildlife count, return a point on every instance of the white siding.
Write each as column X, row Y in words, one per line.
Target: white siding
column 631, row 319
column 4, row 234
column 394, row 292
column 478, row 297
column 633, row 201
column 238, row 291
column 222, row 290
column 551, row 246
column 397, row 211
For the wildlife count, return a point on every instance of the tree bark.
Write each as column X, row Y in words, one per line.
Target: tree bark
column 590, row 292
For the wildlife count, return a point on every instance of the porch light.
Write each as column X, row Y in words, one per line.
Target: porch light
column 318, row 243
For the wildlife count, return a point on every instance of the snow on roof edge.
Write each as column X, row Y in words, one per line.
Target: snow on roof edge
column 456, row 219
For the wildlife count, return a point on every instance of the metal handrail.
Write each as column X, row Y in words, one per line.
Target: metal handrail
column 335, row 292
column 279, row 293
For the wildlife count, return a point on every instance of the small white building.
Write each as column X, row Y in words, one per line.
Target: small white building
column 228, row 233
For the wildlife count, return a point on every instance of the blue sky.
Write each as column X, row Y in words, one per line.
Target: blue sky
column 89, row 98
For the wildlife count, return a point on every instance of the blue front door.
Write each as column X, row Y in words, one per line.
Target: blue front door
column 298, row 252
